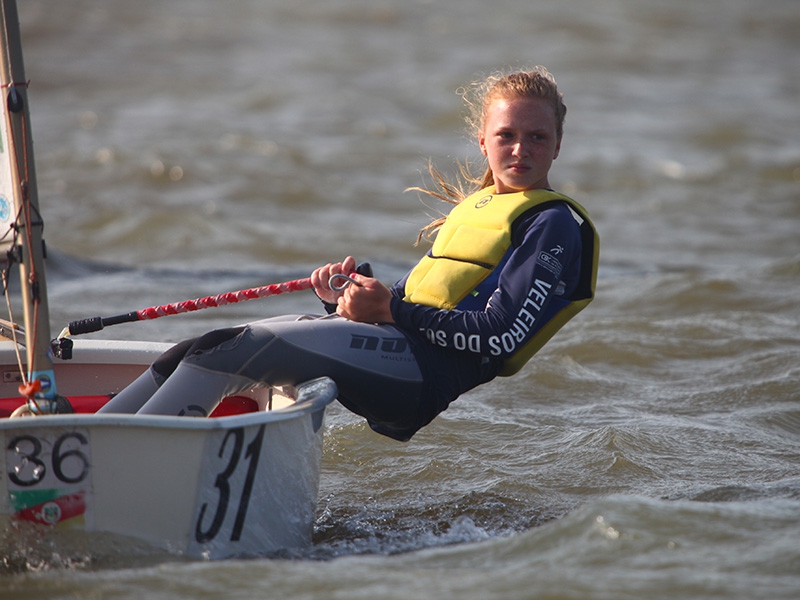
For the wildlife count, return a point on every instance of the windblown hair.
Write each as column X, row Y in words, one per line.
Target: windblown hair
column 535, row 83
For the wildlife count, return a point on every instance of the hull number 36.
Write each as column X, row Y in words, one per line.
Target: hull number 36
column 31, row 461
column 50, row 476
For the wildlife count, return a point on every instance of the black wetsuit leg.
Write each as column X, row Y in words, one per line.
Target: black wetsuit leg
column 373, row 366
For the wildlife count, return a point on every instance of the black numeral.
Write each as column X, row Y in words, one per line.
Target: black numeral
column 60, row 460
column 73, row 456
column 32, row 457
column 253, row 454
column 222, row 483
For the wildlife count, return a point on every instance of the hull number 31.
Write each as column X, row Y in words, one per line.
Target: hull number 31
column 212, row 513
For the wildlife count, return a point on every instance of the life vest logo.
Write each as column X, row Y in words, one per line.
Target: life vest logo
column 483, row 201
column 549, row 262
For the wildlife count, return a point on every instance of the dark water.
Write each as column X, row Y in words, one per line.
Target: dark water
column 652, row 450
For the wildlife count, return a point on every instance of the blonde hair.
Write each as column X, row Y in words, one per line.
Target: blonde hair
column 537, row 82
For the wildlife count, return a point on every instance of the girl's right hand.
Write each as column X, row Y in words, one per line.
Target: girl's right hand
column 321, row 276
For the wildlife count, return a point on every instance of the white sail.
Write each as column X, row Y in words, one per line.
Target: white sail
column 14, row 136
column 8, row 202
column 20, row 221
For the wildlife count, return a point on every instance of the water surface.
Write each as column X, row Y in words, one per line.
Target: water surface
column 651, row 450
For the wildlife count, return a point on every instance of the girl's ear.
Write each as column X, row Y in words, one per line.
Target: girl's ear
column 558, row 149
column 482, row 143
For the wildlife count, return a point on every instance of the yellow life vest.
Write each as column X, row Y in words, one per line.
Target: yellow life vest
column 472, row 242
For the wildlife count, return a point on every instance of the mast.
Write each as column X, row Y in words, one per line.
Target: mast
column 20, row 220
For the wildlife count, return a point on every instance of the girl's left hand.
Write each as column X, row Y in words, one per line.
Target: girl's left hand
column 367, row 302
column 320, row 279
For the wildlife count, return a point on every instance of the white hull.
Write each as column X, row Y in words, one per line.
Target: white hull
column 241, row 485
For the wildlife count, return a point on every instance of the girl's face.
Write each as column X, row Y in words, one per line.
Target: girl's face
column 520, row 142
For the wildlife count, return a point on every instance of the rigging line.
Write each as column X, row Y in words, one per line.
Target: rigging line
column 26, row 213
column 6, row 274
column 16, row 83
column 17, row 352
column 27, row 210
column 10, row 261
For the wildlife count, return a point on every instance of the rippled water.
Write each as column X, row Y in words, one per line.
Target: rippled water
column 652, row 450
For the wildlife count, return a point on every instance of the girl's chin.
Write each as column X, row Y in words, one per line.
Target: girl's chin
column 509, row 187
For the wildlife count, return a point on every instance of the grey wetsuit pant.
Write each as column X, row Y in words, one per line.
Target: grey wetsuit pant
column 373, row 367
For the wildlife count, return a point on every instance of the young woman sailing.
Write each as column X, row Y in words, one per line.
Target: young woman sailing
column 510, row 265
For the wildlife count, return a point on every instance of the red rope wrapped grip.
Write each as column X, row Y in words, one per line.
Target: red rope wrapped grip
column 296, row 285
column 273, row 289
column 97, row 323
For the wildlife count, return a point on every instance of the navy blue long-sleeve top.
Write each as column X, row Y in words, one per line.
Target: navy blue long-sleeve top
column 464, row 347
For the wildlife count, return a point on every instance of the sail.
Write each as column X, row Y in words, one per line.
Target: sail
column 9, row 196
column 20, row 221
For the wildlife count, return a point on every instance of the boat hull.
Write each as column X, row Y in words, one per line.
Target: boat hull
column 243, row 485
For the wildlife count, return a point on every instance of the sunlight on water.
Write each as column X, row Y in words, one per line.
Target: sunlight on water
column 650, row 450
